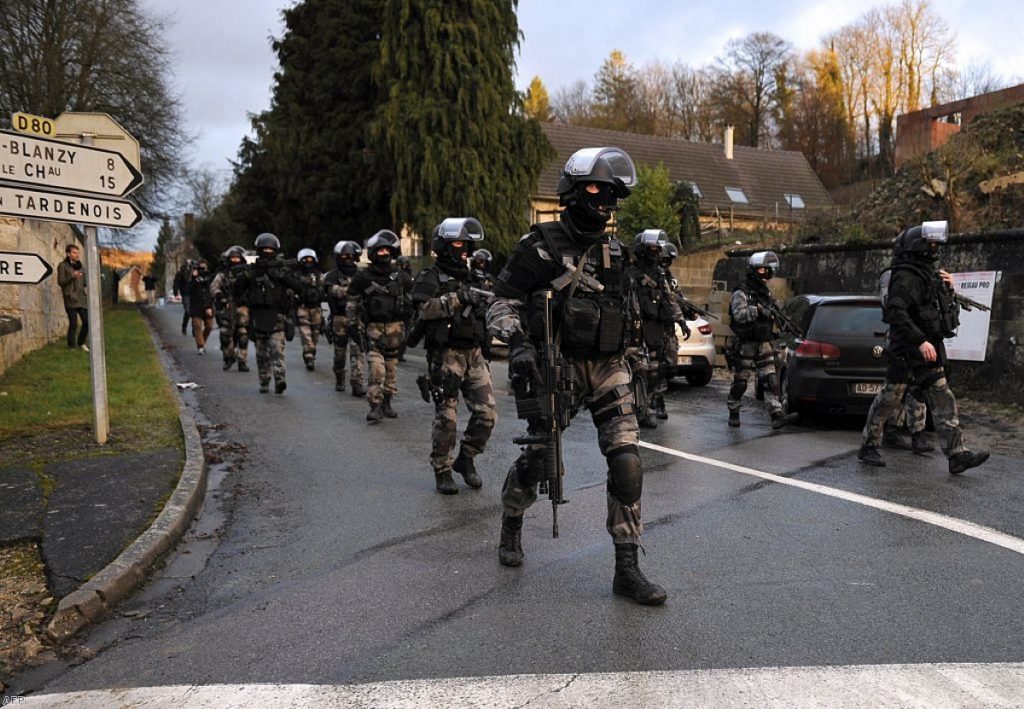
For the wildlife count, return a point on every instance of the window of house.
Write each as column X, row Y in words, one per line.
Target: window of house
column 795, row 201
column 696, row 190
column 737, row 195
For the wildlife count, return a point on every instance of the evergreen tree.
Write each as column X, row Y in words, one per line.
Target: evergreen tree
column 537, row 103
column 652, row 205
column 313, row 176
column 617, row 98
column 453, row 122
column 164, row 237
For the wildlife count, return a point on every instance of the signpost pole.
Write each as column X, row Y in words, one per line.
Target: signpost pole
column 97, row 356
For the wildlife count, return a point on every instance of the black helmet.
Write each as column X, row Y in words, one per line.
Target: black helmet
column 921, row 241
column 669, row 252
column 456, row 229
column 348, row 248
column 305, row 254
column 648, row 244
column 611, row 166
column 481, row 259
column 767, row 260
column 236, row 250
column 384, row 239
column 266, row 242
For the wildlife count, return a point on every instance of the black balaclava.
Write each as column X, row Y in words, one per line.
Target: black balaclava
column 454, row 260
column 346, row 266
column 584, row 215
column 382, row 264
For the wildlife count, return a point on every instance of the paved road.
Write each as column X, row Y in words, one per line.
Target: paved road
column 327, row 557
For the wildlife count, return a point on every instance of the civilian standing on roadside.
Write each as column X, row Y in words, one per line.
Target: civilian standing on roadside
column 200, row 303
column 71, row 278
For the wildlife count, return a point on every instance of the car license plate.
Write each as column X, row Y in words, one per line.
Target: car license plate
column 685, row 359
column 867, row 388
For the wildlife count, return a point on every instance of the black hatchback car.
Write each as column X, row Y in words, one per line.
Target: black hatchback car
column 839, row 365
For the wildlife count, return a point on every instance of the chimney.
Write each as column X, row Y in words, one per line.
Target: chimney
column 728, row 142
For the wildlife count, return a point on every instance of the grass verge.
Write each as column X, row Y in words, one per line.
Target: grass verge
column 46, row 398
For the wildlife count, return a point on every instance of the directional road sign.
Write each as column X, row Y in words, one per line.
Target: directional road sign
column 56, row 164
column 103, row 131
column 74, row 209
column 18, row 267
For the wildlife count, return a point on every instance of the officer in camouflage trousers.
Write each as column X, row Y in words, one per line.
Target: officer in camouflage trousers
column 232, row 314
column 379, row 297
column 309, row 313
column 451, row 320
column 345, row 329
column 586, row 269
column 266, row 287
column 919, row 307
column 754, row 326
column 659, row 312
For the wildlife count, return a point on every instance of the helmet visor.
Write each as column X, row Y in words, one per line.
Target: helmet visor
column 935, row 232
column 581, row 163
column 461, row 229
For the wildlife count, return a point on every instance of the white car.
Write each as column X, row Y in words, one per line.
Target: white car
column 695, row 357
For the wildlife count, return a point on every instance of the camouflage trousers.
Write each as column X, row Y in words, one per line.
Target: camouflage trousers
column 931, row 383
column 356, row 358
column 756, row 357
column 603, row 385
column 465, row 371
column 311, row 323
column 233, row 325
column 270, row 356
column 913, row 414
column 384, row 340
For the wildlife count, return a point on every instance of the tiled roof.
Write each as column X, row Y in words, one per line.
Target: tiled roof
column 763, row 175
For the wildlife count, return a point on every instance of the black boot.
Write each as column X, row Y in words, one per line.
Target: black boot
column 734, row 419
column 445, row 484
column 375, row 415
column 358, row 391
column 781, row 420
column 510, row 549
column 870, row 454
column 279, row 386
column 465, row 467
column 264, row 387
column 228, row 361
column 339, row 385
column 389, row 413
column 310, row 364
column 630, row 580
column 647, row 421
column 659, row 408
column 967, row 459
column 920, row 444
column 894, row 438
column 242, row 366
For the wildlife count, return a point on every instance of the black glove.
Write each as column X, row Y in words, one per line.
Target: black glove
column 469, row 296
column 685, row 328
column 523, row 360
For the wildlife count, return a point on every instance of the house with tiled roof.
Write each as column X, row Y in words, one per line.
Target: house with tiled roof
column 739, row 186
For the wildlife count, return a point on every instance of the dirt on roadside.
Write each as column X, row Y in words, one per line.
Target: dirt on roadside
column 25, row 606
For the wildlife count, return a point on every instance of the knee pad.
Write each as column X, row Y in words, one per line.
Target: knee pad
column 625, row 474
column 736, row 390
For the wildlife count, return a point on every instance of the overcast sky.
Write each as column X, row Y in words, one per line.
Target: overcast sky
column 225, row 65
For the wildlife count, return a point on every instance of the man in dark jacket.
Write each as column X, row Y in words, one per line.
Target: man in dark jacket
column 200, row 304
column 921, row 312
column 71, row 279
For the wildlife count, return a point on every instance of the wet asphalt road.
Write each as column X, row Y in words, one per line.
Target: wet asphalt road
column 327, row 557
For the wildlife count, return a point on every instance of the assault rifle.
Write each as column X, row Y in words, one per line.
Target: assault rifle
column 785, row 324
column 545, row 404
column 967, row 304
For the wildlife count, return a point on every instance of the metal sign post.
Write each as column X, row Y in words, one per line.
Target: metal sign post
column 97, row 354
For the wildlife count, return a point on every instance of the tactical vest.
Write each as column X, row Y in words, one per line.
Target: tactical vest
column 384, row 299
column 940, row 316
column 760, row 329
column 653, row 294
column 312, row 293
column 464, row 329
column 588, row 323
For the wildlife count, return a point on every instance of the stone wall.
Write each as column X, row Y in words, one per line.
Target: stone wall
column 33, row 315
column 855, row 269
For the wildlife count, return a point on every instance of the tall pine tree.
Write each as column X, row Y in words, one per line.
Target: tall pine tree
column 314, row 176
column 453, row 122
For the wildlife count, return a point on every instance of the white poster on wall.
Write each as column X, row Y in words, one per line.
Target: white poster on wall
column 971, row 340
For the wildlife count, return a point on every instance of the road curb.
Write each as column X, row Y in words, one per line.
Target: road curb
column 97, row 596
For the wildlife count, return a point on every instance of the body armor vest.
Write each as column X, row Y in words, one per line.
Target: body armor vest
column 940, row 316
column 589, row 319
column 312, row 293
column 464, row 329
column 759, row 330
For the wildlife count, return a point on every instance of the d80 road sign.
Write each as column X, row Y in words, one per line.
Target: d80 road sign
column 30, row 160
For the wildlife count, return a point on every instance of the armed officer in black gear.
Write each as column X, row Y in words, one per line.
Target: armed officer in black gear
column 585, row 268
column 921, row 313
column 379, row 297
column 750, row 310
column 451, row 318
column 345, row 328
column 480, row 269
column 232, row 315
column 659, row 313
column 266, row 287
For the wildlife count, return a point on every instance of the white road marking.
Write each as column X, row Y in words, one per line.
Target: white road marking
column 959, row 685
column 953, row 524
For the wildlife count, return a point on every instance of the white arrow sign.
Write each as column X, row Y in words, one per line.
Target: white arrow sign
column 74, row 209
column 55, row 164
column 16, row 267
